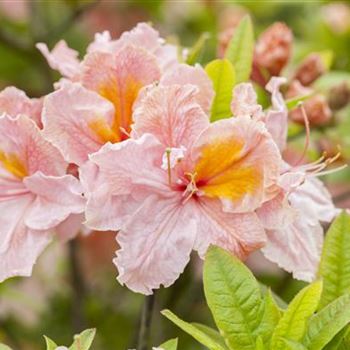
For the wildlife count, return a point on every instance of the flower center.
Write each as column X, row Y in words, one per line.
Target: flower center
column 13, row 165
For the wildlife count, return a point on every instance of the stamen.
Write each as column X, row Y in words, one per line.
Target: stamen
column 191, row 188
column 124, row 132
column 307, row 130
column 168, row 152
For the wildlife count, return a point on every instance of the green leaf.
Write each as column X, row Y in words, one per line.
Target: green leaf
column 294, row 102
column 335, row 260
column 197, row 49
column 293, row 345
column 241, row 48
column 278, row 300
column 292, row 324
column 192, row 330
column 270, row 319
column 324, row 326
column 83, row 340
column 259, row 344
column 234, row 298
column 327, row 57
column 337, row 342
column 4, row 347
column 50, row 344
column 212, row 333
column 169, row 345
column 222, row 74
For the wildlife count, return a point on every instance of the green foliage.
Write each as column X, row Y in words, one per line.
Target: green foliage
column 4, row 347
column 234, row 298
column 81, row 341
column 327, row 323
column 197, row 49
column 248, row 317
column 335, row 261
column 241, row 48
column 292, row 324
column 169, row 345
column 222, row 74
column 195, row 332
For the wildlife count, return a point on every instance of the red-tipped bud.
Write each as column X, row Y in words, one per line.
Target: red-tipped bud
column 311, row 68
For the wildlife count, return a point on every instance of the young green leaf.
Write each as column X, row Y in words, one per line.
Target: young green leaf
column 271, row 316
column 83, row 340
column 335, row 260
column 292, row 324
column 197, row 49
column 234, row 298
column 241, row 48
column 324, row 326
column 259, row 344
column 212, row 333
column 50, row 344
column 293, row 345
column 169, row 345
column 222, row 74
column 192, row 330
column 337, row 342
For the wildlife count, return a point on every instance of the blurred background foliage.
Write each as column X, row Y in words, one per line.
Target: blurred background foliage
column 73, row 287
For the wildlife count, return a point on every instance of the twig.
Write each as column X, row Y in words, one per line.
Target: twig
column 79, row 287
column 146, row 321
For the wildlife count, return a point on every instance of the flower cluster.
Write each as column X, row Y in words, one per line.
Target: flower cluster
column 125, row 143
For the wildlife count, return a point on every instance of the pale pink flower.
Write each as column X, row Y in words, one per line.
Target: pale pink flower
column 15, row 102
column 207, row 194
column 36, row 195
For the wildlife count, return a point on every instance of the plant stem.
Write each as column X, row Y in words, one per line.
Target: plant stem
column 78, row 285
column 146, row 321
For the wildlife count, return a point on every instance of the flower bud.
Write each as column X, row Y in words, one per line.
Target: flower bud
column 316, row 107
column 311, row 68
column 339, row 96
column 274, row 47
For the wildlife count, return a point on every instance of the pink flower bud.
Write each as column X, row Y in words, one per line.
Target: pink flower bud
column 311, row 68
column 274, row 47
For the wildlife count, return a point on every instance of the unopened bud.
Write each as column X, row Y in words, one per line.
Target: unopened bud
column 311, row 68
column 339, row 96
column 274, row 48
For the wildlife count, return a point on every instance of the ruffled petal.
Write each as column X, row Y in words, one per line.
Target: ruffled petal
column 118, row 78
column 183, row 74
column 171, row 114
column 277, row 118
column 118, row 177
column 62, row 58
column 237, row 162
column 240, row 234
column 78, row 122
column 24, row 151
column 56, row 198
column 155, row 244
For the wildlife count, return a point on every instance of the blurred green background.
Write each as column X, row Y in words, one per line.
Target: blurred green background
column 73, row 286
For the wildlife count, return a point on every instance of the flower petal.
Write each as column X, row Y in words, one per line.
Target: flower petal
column 155, row 245
column 183, row 74
column 119, row 77
column 56, row 198
column 172, row 114
column 62, row 58
column 24, row 151
column 78, row 121
column 240, row 234
column 238, row 162
column 119, row 174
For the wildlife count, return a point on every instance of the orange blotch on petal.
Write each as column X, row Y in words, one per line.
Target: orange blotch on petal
column 221, row 172
column 13, row 165
column 104, row 131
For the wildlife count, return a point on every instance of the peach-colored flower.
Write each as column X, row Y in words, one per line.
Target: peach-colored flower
column 273, row 48
column 180, row 184
column 36, row 195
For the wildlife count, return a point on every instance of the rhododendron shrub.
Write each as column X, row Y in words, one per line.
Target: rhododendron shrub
column 180, row 159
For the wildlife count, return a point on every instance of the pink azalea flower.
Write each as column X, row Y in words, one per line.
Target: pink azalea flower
column 299, row 203
column 180, row 184
column 36, row 195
